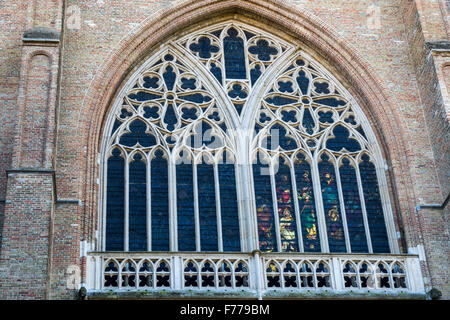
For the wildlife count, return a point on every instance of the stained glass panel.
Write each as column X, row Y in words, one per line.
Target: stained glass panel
column 305, row 194
column 264, row 207
column 330, row 197
column 234, row 55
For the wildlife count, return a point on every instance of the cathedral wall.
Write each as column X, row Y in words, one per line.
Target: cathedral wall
column 97, row 33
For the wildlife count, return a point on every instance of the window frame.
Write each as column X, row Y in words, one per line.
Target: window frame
column 243, row 164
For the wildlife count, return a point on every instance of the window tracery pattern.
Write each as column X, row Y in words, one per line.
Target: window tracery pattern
column 158, row 146
column 236, row 55
column 315, row 147
column 171, row 179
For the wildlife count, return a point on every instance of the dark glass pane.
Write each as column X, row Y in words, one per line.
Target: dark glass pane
column 342, row 140
column 185, row 208
column 279, row 138
column 229, row 208
column 207, row 207
column 307, row 207
column 353, row 211
column 204, row 48
column 115, row 201
column 217, row 72
column 331, row 207
column 138, row 205
column 255, row 73
column 169, row 77
column 137, row 134
column 278, row 100
column 377, row 226
column 331, row 102
column 303, row 82
column 264, row 207
column 170, row 118
column 234, row 55
column 160, row 203
column 286, row 209
column 263, row 50
column 194, row 97
column 116, row 126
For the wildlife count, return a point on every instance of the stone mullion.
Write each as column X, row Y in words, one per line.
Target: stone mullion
column 297, row 208
column 363, row 208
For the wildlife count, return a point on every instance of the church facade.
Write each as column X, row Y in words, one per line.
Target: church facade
column 252, row 149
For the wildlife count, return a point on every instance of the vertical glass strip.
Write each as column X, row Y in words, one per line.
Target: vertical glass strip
column 353, row 210
column 331, row 207
column 138, row 204
column 160, row 202
column 264, row 206
column 207, row 206
column 307, row 207
column 233, row 47
column 229, row 206
column 185, row 207
column 374, row 208
column 286, row 209
column 115, row 202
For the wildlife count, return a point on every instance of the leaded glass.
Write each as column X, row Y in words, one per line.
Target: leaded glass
column 138, row 204
column 333, row 215
column 374, row 208
column 160, row 202
column 305, row 194
column 115, row 202
column 181, row 172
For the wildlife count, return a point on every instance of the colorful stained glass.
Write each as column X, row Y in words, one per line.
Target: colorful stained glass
column 160, row 202
column 137, row 135
column 207, row 206
column 353, row 210
column 286, row 208
column 374, row 208
column 264, row 206
column 115, row 202
column 138, row 204
column 305, row 194
column 330, row 197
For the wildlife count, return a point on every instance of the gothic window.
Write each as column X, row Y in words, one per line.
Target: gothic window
column 232, row 124
column 321, row 167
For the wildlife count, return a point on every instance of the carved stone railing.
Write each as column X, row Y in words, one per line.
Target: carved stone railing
column 254, row 274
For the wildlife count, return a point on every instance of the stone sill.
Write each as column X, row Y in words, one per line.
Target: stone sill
column 273, row 294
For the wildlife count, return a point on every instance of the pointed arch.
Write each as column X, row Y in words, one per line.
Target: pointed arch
column 380, row 156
